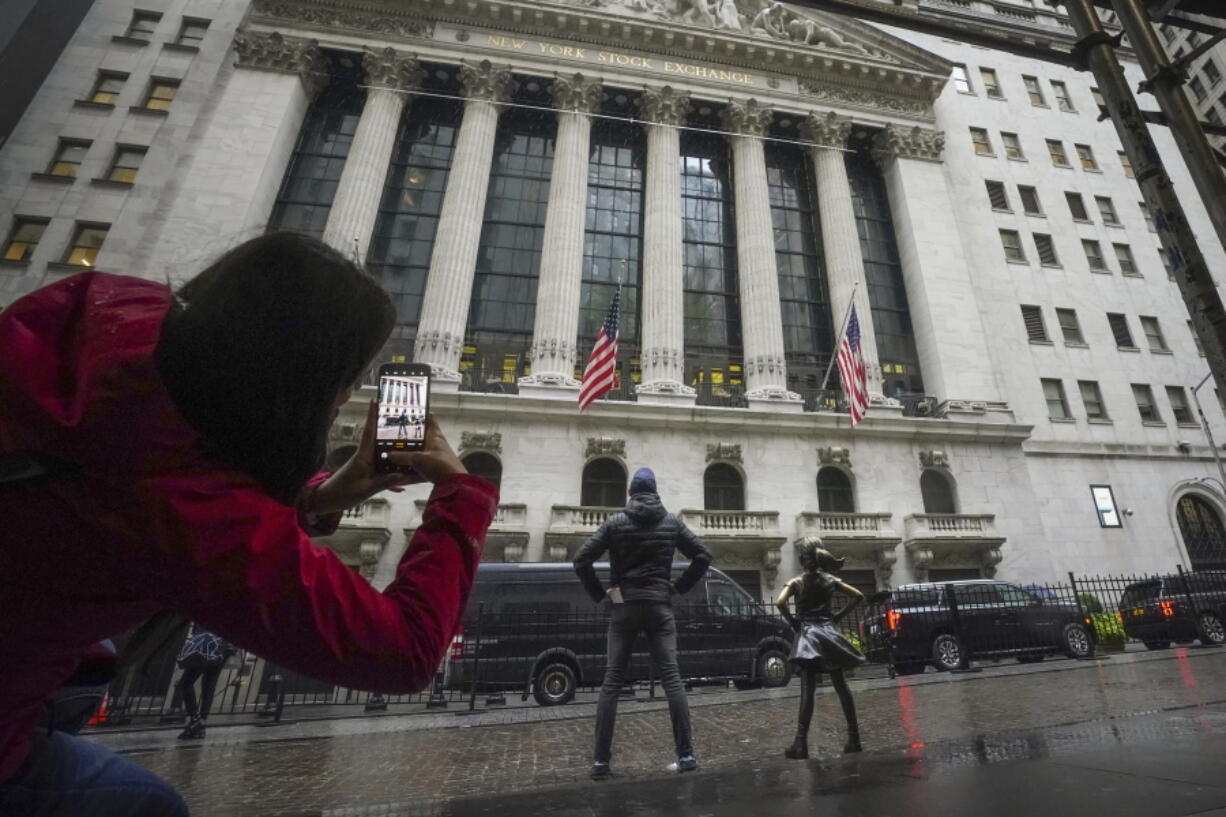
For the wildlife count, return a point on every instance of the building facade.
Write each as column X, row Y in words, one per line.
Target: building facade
column 743, row 172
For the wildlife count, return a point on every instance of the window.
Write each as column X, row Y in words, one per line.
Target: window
column 1013, row 148
column 1144, row 396
column 1153, row 334
column 1012, row 242
column 1201, row 528
column 1030, row 200
column 1166, row 264
column 1086, row 155
column 997, row 195
column 161, row 94
column 991, row 85
column 937, row 490
column 722, row 488
column 1148, row 215
column 107, row 87
column 85, row 245
column 1069, row 326
column 1212, row 116
column 484, row 465
column 1094, row 255
column 979, row 138
column 1200, row 348
column 1106, row 209
column 1120, row 331
column 962, row 80
column 834, row 491
column 1057, row 403
column 1197, row 88
column 126, row 163
column 1046, row 249
column 1123, row 254
column 1055, row 149
column 192, row 32
column 1034, row 91
column 1168, row 33
column 1063, row 101
column 1098, row 98
column 1126, row 164
column 1036, row 330
column 1076, row 206
column 1212, row 74
column 603, row 484
column 1092, row 399
column 68, row 157
column 24, row 238
column 142, row 25
column 1178, row 398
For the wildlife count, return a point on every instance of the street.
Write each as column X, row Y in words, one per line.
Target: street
column 1073, row 726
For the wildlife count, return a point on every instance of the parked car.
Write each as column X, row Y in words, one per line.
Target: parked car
column 532, row 627
column 1176, row 608
column 915, row 625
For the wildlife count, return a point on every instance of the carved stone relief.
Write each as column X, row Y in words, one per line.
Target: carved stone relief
column 666, row 105
column 828, row 129
column 481, row 441
column 866, row 100
column 575, row 92
column 390, row 69
column 605, row 447
column 934, row 459
column 331, row 18
column 894, row 142
column 834, row 455
column 749, row 118
column 289, row 55
column 724, row 452
column 487, row 81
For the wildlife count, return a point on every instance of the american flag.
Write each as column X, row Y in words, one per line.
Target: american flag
column 851, row 370
column 601, row 373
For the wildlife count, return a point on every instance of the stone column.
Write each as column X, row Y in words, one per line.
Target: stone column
column 758, row 277
column 444, row 311
column 556, row 327
column 841, row 239
column 662, row 301
column 949, row 333
column 360, row 189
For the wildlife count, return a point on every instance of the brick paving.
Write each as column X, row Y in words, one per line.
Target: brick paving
column 371, row 762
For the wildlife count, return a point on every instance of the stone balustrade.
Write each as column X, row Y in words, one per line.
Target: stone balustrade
column 842, row 525
column 946, row 525
column 732, row 523
column 579, row 518
column 954, row 540
column 373, row 513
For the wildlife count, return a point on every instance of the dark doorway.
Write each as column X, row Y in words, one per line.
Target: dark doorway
column 723, row 489
column 1203, row 534
column 938, row 492
column 604, row 484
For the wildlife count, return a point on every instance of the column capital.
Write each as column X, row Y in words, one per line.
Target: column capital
column 664, row 105
column 828, row 129
column 390, row 69
column 576, row 92
column 487, row 81
column 894, row 142
column 748, row 118
column 286, row 55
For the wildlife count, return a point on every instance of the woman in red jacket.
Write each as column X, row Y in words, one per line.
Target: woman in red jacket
column 168, row 445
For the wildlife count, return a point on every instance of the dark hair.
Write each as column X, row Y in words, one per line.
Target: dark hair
column 811, row 547
column 262, row 343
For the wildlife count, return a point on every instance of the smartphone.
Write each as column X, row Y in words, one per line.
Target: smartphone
column 404, row 402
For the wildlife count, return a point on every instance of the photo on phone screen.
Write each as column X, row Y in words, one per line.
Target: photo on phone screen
column 404, row 399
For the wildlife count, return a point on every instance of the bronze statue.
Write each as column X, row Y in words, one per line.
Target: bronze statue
column 819, row 646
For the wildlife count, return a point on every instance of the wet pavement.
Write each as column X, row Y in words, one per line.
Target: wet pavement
column 1125, row 735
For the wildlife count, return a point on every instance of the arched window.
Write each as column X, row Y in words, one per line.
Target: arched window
column 938, row 492
column 723, row 489
column 485, row 466
column 834, row 491
column 1203, row 533
column 604, row 484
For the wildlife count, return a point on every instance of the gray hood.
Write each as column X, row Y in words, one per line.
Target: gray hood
column 645, row 509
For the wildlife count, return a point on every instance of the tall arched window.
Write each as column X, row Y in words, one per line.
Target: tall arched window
column 1203, row 533
column 834, row 491
column 484, row 465
column 604, row 484
column 938, row 492
column 723, row 489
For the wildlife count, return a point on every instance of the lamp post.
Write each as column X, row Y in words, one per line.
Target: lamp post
column 1204, row 423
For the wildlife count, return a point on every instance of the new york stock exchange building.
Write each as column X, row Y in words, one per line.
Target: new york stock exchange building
column 743, row 171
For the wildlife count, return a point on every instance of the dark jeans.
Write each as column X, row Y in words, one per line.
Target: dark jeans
column 627, row 621
column 68, row 776
column 187, row 687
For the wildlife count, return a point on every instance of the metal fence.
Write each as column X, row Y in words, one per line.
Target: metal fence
column 533, row 655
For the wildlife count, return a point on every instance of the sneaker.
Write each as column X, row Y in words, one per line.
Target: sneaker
column 601, row 771
column 687, row 763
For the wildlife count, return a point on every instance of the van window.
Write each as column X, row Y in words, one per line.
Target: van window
column 726, row 599
column 534, row 597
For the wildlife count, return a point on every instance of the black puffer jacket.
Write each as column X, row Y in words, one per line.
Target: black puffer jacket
column 640, row 542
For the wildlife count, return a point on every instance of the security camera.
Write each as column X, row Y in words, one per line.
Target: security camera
column 1184, row 446
column 1128, row 512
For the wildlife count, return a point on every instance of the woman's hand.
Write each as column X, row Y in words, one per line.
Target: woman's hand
column 356, row 480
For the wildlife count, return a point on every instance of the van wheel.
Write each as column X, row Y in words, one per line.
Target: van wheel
column 773, row 668
column 555, row 685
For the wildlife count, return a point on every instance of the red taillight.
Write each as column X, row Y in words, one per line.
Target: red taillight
column 457, row 646
column 1168, row 608
column 892, row 619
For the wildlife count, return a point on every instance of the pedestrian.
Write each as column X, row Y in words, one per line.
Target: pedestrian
column 202, row 657
column 161, row 446
column 640, row 542
column 818, row 646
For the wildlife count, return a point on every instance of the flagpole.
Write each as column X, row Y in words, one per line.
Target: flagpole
column 839, row 337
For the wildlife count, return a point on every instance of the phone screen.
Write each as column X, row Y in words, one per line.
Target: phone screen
column 404, row 398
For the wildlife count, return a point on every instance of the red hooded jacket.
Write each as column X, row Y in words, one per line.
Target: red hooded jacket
column 149, row 523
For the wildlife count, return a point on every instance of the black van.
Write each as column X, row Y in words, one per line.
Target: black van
column 531, row 627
